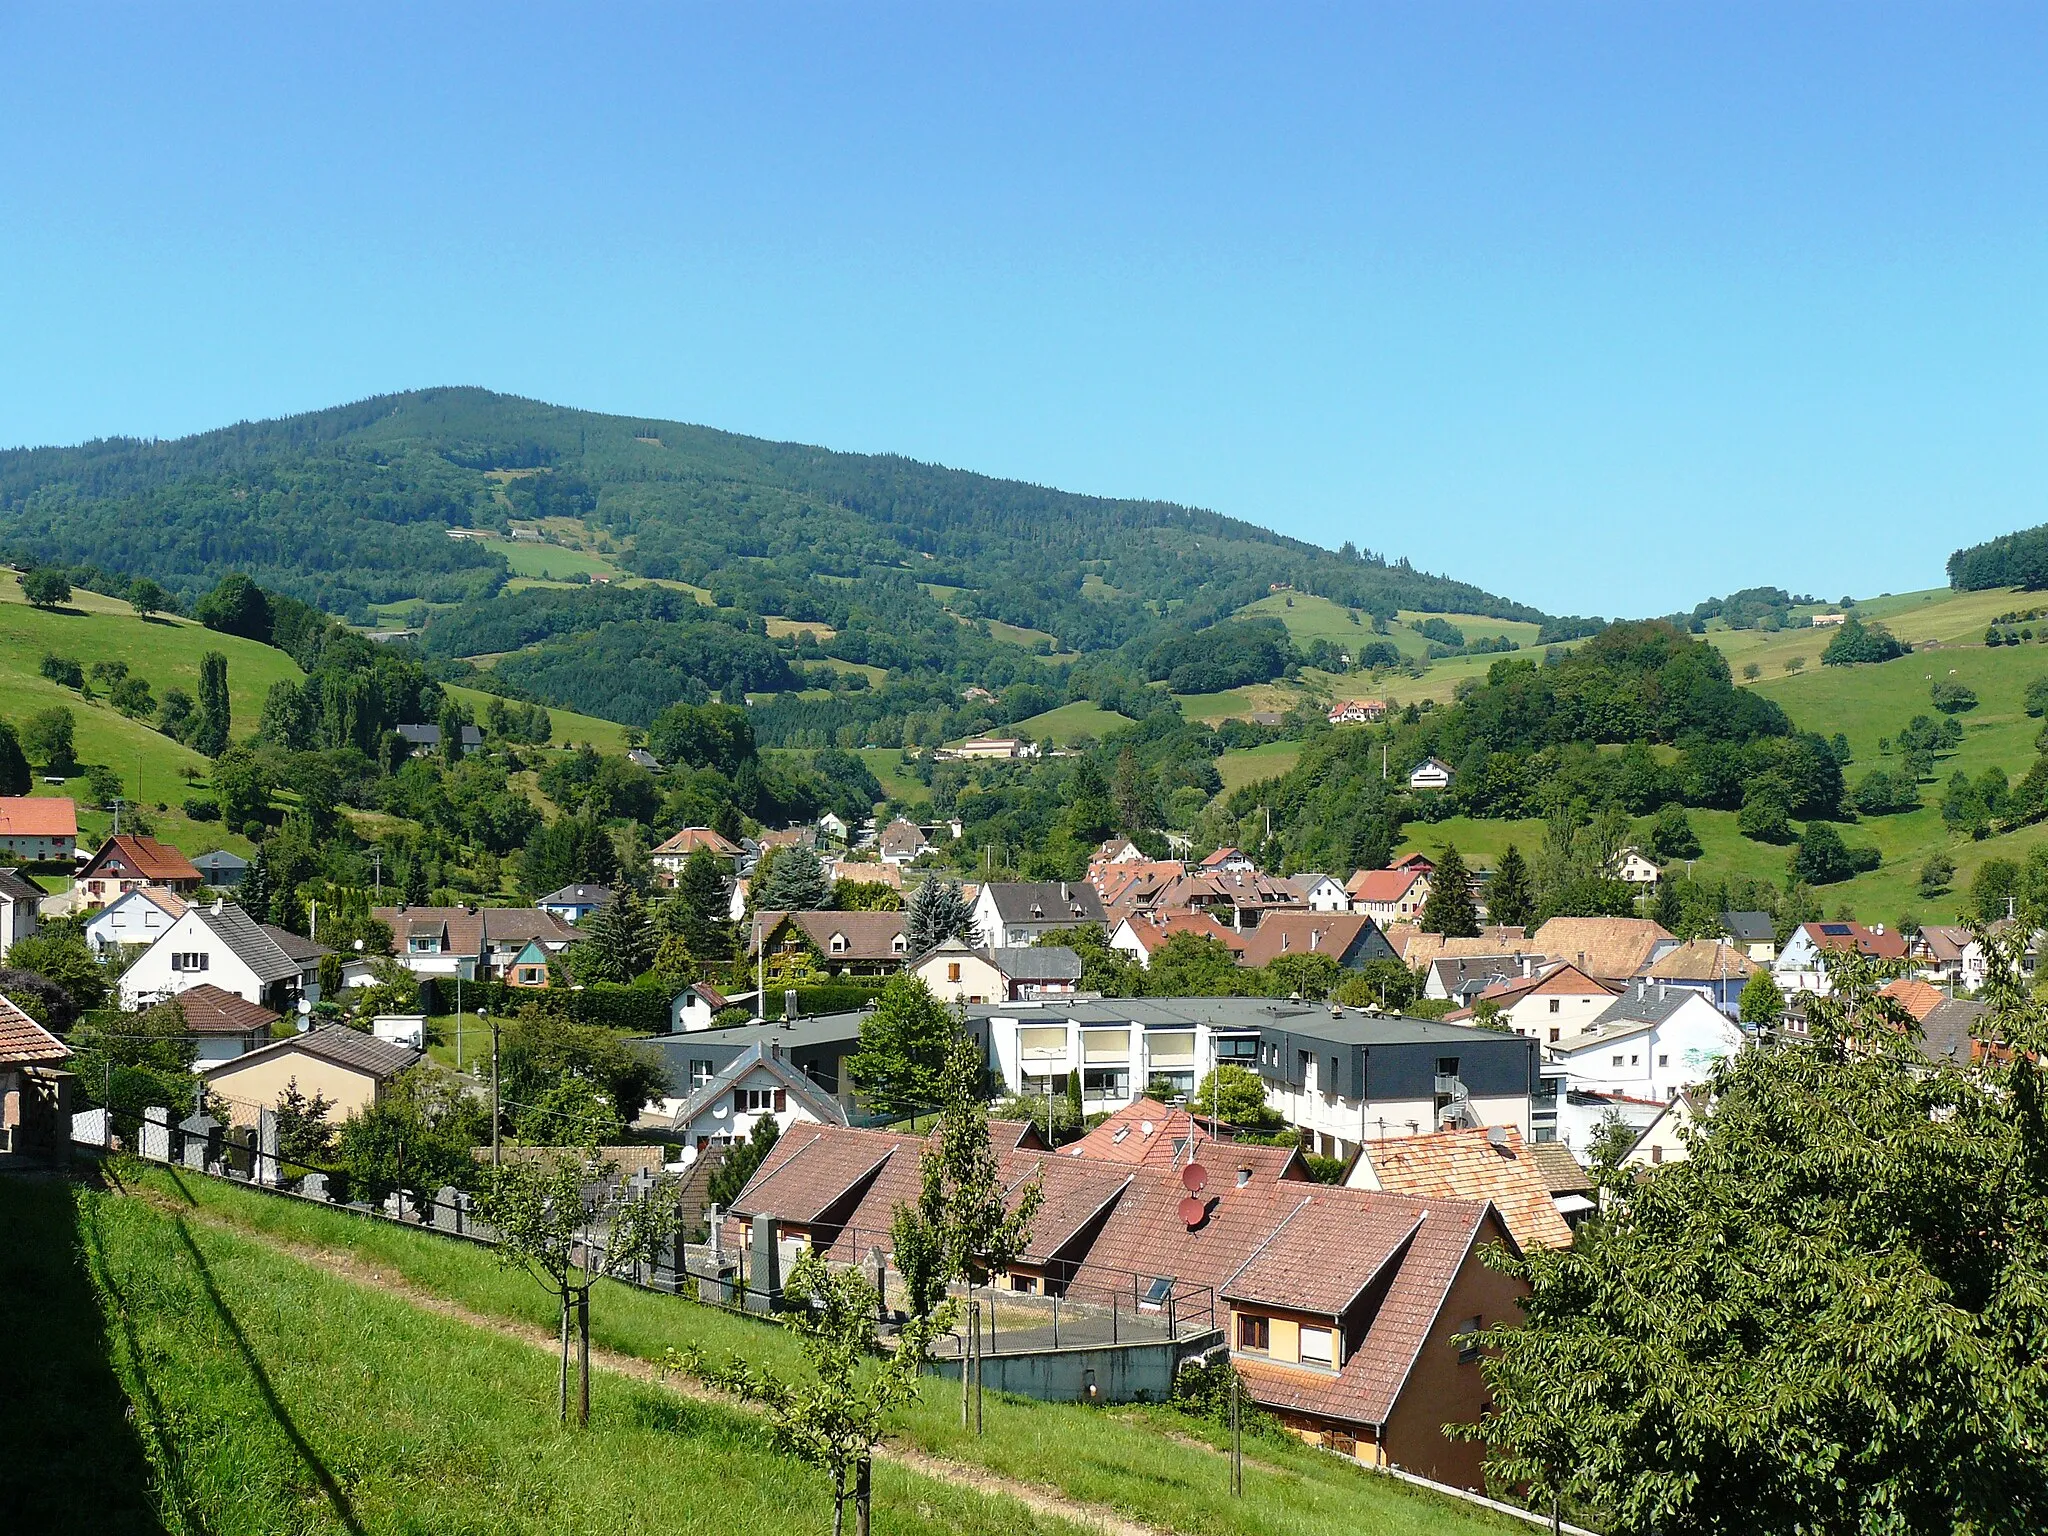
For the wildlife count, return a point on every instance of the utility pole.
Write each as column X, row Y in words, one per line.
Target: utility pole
column 485, row 1013
column 377, row 867
column 1236, row 1444
column 118, row 803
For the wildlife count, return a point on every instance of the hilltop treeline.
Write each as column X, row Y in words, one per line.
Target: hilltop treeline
column 2011, row 560
column 350, row 506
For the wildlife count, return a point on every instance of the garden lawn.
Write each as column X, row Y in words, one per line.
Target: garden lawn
column 172, row 1376
column 1119, row 1459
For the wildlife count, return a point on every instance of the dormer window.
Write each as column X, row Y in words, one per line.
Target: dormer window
column 839, row 944
column 899, row 944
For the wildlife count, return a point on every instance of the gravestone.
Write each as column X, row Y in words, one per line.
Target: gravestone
column 764, row 1283
column 241, row 1152
column 202, row 1142
column 448, row 1211
column 156, row 1134
column 395, row 1205
column 268, row 1170
column 314, row 1187
column 91, row 1127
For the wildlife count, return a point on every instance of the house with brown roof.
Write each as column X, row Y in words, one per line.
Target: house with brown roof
column 1351, row 1315
column 1801, row 965
column 224, row 1026
column 35, row 1087
column 800, row 946
column 1492, row 1163
column 670, row 855
column 957, row 972
column 1141, row 936
column 38, row 829
column 1546, row 1005
column 1353, row 939
column 1389, row 895
column 441, row 943
column 1715, row 968
column 1418, row 949
column 349, row 1069
column 128, row 861
column 1615, row 949
column 902, row 842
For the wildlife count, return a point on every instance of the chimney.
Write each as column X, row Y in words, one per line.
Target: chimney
column 1063, row 892
column 217, row 902
column 1244, row 1175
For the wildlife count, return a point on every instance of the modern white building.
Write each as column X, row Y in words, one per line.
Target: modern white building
column 1342, row 1075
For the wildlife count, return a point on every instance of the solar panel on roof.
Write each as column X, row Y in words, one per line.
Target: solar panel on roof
column 1836, row 930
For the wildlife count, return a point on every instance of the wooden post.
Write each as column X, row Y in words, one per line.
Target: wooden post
column 583, row 1355
column 977, row 1362
column 1236, row 1444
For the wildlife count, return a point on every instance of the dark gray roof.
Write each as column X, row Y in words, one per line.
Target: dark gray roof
column 1347, row 1026
column 220, row 858
column 821, row 1104
column 1948, row 1029
column 1634, row 1011
column 1038, row 962
column 577, row 896
column 1060, row 902
column 339, row 1044
column 18, row 887
column 1749, row 927
column 272, row 953
column 430, row 735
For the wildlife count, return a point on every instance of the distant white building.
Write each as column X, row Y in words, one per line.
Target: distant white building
column 1430, row 773
column 1630, row 866
column 222, row 946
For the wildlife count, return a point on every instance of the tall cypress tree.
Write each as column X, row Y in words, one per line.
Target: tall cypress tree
column 1511, row 897
column 212, row 736
column 14, row 770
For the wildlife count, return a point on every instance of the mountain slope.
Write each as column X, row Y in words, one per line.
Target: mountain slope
column 351, row 505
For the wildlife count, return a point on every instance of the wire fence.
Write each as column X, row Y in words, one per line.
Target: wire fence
column 1034, row 1307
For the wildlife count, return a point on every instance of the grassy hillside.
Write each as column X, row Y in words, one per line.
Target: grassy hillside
column 1247, row 765
column 1063, row 726
column 192, row 1379
column 165, row 651
column 1150, row 1465
column 571, row 729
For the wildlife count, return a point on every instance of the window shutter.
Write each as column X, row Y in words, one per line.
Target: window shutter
column 781, row 1100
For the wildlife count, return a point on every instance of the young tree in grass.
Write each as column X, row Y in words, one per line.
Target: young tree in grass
column 1511, row 895
column 904, row 1038
column 834, row 1420
column 1449, row 909
column 566, row 1220
column 937, row 911
column 964, row 1226
column 211, row 737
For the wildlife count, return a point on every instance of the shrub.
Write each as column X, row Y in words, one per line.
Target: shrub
column 67, row 671
column 1953, row 698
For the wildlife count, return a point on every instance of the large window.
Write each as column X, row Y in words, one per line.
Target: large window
column 193, row 960
column 1237, row 1047
column 700, row 1073
column 1105, row 1044
column 754, row 1101
column 1106, row 1083
column 1171, row 1048
column 1040, row 1044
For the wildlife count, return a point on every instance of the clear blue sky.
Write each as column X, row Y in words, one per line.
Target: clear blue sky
column 1605, row 307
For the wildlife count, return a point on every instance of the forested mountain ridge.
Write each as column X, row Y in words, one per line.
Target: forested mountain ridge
column 351, row 505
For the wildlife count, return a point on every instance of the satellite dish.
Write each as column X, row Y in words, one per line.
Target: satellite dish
column 1192, row 1210
column 1194, row 1178
column 1146, row 1127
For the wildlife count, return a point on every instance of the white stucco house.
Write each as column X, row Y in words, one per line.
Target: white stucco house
column 761, row 1083
column 1430, row 773
column 139, row 917
column 21, row 903
column 222, row 946
column 1652, row 1042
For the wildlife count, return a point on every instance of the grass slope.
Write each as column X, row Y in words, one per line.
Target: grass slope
column 1247, row 765
column 164, row 650
column 191, row 1379
column 1148, row 1464
column 1062, row 726
column 570, row 728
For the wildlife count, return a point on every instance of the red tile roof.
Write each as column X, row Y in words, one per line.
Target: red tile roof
column 209, row 1010
column 1382, row 885
column 1919, row 998
column 38, row 816
column 1844, row 937
column 146, row 856
column 24, row 1042
column 1304, row 933
column 1125, row 1138
column 1469, row 1165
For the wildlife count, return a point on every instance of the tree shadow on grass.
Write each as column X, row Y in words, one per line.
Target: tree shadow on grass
column 337, row 1497
column 76, row 1458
